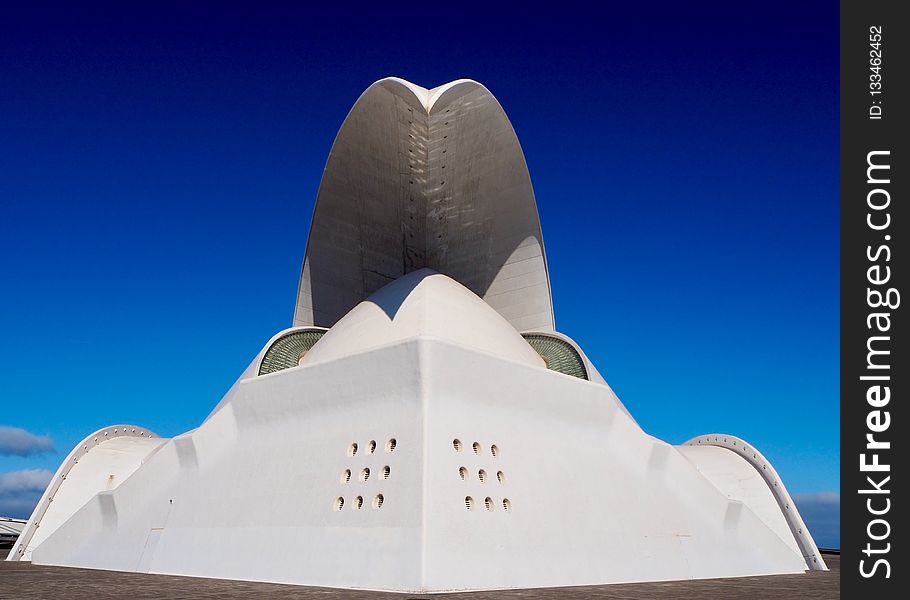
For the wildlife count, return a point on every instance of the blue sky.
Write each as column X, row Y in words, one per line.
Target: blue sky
column 158, row 169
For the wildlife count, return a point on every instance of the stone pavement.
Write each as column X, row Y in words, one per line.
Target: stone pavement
column 26, row 582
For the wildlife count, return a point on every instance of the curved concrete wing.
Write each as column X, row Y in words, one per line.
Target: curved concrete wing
column 100, row 462
column 426, row 179
column 743, row 473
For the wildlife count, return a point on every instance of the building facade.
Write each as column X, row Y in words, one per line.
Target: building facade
column 422, row 426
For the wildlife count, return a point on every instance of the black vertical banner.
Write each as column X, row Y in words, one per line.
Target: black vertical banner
column 875, row 372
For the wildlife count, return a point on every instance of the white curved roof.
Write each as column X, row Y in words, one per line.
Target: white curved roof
column 428, row 304
column 99, row 463
column 426, row 178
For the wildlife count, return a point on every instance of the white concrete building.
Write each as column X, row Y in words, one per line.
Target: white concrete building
column 422, row 426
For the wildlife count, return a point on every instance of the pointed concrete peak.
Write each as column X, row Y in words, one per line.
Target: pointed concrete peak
column 427, row 97
column 424, row 303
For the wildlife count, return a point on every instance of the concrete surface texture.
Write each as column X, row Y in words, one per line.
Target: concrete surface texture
column 421, row 443
column 426, row 178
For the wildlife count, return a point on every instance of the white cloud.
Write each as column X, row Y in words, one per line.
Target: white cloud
column 21, row 490
column 818, row 497
column 821, row 512
column 19, row 442
column 27, row 480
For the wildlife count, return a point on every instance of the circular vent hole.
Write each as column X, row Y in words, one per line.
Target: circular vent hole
column 476, row 446
column 346, row 476
column 488, row 503
column 352, row 450
column 482, row 476
column 456, row 443
column 378, row 500
column 371, row 447
column 468, row 503
column 386, row 471
column 390, row 445
column 494, row 450
column 339, row 503
column 365, row 474
column 500, row 477
column 463, row 473
column 506, row 504
column 358, row 502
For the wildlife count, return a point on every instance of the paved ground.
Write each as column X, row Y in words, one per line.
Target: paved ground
column 26, row 581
